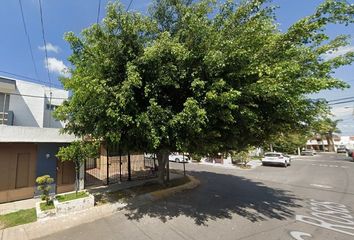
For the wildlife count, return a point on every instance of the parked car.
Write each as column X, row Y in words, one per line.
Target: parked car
column 178, row 158
column 341, row 149
column 276, row 158
column 308, row 153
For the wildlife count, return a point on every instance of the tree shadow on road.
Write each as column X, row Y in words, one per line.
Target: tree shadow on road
column 220, row 196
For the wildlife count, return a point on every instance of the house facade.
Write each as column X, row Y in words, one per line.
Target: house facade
column 319, row 144
column 30, row 139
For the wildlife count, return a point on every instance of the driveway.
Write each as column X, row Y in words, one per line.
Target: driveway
column 312, row 199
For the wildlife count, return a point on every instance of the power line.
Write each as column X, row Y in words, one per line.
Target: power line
column 339, row 99
column 336, row 103
column 34, row 96
column 28, row 38
column 28, row 78
column 130, row 3
column 44, row 41
column 46, row 58
column 98, row 11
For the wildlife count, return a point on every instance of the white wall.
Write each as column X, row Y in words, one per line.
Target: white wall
column 10, row 134
column 28, row 111
column 31, row 111
column 58, row 96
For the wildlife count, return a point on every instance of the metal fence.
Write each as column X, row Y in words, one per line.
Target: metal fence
column 117, row 167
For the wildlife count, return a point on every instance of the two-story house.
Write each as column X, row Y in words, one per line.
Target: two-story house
column 30, row 139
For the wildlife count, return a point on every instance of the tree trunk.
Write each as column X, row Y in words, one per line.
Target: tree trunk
column 330, row 142
column 162, row 158
column 323, row 147
column 167, row 170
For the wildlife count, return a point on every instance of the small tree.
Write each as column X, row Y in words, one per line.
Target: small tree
column 44, row 186
column 78, row 152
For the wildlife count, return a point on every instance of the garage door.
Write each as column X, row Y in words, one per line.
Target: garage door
column 17, row 171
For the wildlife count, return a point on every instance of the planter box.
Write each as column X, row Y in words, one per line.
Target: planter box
column 44, row 214
column 63, row 208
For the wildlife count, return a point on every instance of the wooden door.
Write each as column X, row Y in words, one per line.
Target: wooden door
column 17, row 171
column 65, row 177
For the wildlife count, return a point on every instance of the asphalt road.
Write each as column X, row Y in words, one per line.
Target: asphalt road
column 312, row 199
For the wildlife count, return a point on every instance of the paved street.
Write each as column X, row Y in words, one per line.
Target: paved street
column 312, row 199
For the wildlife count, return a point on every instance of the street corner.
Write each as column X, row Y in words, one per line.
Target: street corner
column 160, row 194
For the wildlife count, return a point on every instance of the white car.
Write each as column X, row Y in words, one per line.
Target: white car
column 178, row 158
column 276, row 158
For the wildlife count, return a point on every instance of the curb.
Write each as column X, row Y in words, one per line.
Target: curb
column 193, row 183
column 160, row 194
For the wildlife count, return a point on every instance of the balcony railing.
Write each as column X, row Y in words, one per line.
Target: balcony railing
column 6, row 118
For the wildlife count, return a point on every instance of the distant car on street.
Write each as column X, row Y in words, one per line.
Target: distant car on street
column 178, row 158
column 276, row 158
column 341, row 149
column 308, row 153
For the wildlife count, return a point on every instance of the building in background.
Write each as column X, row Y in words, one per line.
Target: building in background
column 319, row 144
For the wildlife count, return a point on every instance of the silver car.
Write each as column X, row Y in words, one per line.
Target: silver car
column 276, row 158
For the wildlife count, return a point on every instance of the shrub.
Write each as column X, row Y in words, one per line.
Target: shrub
column 241, row 157
column 44, row 186
column 196, row 157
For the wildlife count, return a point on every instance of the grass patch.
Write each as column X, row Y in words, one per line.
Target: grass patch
column 71, row 196
column 18, row 218
column 45, row 207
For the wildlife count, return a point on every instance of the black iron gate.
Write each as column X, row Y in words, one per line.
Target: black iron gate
column 113, row 167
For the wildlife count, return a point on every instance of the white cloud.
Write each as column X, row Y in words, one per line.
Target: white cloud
column 56, row 66
column 340, row 51
column 343, row 111
column 50, row 48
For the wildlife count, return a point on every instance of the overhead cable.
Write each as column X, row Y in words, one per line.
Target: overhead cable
column 45, row 42
column 35, row 80
column 98, row 11
column 130, row 3
column 28, row 39
column 339, row 99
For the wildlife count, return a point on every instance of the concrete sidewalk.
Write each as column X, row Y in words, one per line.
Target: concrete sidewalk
column 45, row 227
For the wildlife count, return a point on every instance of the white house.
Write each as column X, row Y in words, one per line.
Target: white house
column 30, row 138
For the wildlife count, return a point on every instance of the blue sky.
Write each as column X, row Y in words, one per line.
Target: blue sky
column 61, row 16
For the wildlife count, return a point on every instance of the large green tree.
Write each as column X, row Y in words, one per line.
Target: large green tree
column 200, row 76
